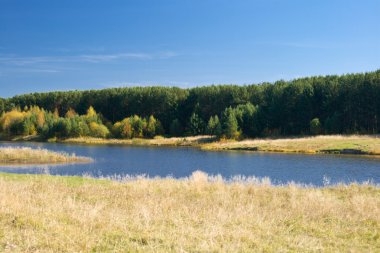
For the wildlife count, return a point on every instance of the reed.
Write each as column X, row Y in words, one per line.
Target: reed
column 197, row 214
column 335, row 144
column 24, row 155
column 157, row 141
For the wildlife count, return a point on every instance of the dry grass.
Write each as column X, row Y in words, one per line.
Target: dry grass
column 339, row 144
column 360, row 144
column 22, row 155
column 71, row 214
column 157, row 141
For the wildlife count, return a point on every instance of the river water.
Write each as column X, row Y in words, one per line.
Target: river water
column 180, row 162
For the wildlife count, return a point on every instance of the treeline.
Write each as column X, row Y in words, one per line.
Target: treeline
column 324, row 104
column 37, row 121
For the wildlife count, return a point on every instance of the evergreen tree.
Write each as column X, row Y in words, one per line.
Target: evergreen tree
column 230, row 124
column 196, row 125
column 214, row 127
column 332, row 124
column 210, row 126
column 176, row 128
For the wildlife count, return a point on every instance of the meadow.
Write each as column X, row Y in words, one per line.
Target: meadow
column 41, row 213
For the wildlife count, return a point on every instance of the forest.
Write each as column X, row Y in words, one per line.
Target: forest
column 345, row 104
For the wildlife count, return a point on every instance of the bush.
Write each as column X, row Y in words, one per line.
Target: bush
column 98, row 130
column 315, row 126
column 150, row 129
column 62, row 128
column 9, row 119
column 138, row 126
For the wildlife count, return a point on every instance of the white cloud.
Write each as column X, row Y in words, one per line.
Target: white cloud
column 29, row 70
column 89, row 58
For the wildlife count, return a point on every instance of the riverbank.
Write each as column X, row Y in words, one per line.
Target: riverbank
column 23, row 155
column 192, row 141
column 325, row 144
column 74, row 214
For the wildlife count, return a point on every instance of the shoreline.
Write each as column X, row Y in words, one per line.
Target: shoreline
column 357, row 145
column 191, row 141
column 363, row 145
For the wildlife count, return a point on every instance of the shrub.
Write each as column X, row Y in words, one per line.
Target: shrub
column 150, row 130
column 137, row 125
column 8, row 119
column 315, row 126
column 98, row 130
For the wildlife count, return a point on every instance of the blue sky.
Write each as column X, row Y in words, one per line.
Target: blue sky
column 76, row 44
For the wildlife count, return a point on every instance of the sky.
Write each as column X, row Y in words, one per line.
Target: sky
column 48, row 45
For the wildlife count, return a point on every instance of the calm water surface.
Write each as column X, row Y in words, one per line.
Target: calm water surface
column 181, row 162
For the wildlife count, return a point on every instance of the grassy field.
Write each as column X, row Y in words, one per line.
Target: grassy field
column 22, row 155
column 198, row 214
column 338, row 144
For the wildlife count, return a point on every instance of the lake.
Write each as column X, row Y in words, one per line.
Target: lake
column 180, row 162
